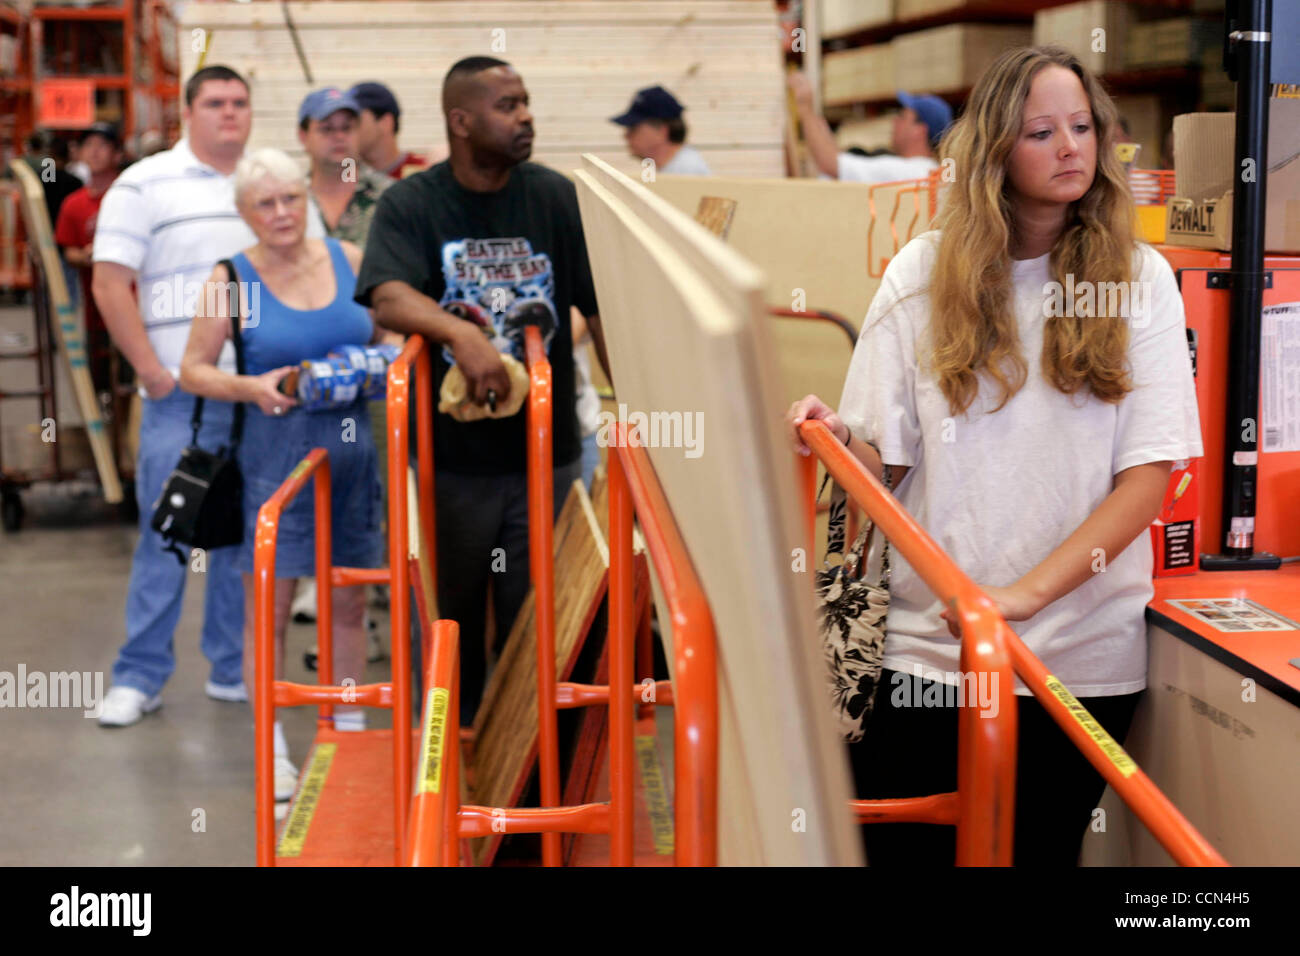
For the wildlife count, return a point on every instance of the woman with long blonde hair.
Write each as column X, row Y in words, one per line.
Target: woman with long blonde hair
column 1024, row 374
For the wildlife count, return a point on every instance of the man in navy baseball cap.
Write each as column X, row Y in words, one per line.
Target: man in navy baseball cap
column 381, row 120
column 655, row 131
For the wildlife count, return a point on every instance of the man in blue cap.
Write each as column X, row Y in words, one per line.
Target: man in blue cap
column 381, row 120
column 918, row 126
column 655, row 131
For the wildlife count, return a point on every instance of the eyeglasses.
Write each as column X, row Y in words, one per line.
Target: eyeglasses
column 269, row 205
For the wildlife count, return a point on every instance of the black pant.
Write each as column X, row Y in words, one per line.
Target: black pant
column 482, row 532
column 912, row 751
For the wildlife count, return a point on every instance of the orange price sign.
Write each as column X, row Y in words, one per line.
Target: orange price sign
column 66, row 104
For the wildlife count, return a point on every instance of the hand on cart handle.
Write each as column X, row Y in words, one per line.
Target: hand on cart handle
column 268, row 397
column 481, row 365
column 1015, row 603
column 812, row 408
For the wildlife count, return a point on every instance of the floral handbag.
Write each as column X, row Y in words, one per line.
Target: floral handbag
column 851, row 618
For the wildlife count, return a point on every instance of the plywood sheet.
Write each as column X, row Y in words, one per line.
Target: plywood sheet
column 810, row 239
column 684, row 321
column 505, row 728
column 67, row 331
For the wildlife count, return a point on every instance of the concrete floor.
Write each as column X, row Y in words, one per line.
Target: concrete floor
column 74, row 793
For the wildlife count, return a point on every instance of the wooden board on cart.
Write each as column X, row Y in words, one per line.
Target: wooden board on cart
column 684, row 322
column 72, row 346
column 505, row 727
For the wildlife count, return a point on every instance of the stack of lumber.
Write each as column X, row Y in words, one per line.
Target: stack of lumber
column 686, row 330
column 581, row 62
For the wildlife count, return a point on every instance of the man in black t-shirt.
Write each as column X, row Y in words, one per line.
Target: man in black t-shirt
column 465, row 254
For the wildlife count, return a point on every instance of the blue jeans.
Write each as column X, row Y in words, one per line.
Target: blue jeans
column 154, row 596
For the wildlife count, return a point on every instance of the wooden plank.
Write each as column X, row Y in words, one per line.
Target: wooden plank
column 67, row 330
column 505, row 727
column 582, row 62
column 686, row 331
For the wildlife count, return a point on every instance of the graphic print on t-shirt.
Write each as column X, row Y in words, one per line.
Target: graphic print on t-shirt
column 501, row 285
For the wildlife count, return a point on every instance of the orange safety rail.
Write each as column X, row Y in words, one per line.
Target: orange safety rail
column 435, row 827
column 929, row 186
column 269, row 694
column 438, row 824
column 541, row 563
column 819, row 315
column 414, row 352
column 15, row 267
column 987, row 747
column 394, row 695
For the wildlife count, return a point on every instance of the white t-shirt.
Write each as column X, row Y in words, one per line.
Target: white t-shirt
column 852, row 168
column 687, row 161
column 171, row 218
column 1000, row 491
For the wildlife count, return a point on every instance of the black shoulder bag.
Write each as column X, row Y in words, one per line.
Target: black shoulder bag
column 202, row 504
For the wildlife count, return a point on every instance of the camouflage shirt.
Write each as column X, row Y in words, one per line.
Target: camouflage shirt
column 354, row 224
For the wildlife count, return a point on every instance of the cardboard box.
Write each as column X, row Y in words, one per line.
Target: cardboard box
column 1200, row 214
column 862, row 74
column 841, row 17
column 951, row 58
column 1146, row 124
column 1171, row 42
column 1072, row 26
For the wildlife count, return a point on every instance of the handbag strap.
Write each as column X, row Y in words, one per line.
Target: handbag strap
column 237, row 424
column 858, row 551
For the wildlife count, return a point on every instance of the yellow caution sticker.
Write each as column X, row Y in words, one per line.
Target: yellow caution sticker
column 429, row 779
column 300, row 468
column 1108, row 744
column 656, row 795
column 294, row 835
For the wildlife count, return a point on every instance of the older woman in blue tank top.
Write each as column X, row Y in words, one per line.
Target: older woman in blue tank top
column 299, row 306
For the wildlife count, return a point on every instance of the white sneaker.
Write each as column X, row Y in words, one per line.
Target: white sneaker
column 124, row 705
column 303, row 608
column 286, row 777
column 231, row 692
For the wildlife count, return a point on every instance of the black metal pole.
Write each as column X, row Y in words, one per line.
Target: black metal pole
column 1249, row 44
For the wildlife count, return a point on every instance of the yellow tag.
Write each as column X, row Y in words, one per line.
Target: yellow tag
column 429, row 779
column 294, row 835
column 1122, row 761
column 656, row 796
column 299, row 469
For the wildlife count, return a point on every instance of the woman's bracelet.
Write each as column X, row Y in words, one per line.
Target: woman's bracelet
column 848, row 436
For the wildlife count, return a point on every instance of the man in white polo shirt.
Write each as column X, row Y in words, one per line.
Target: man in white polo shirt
column 163, row 224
